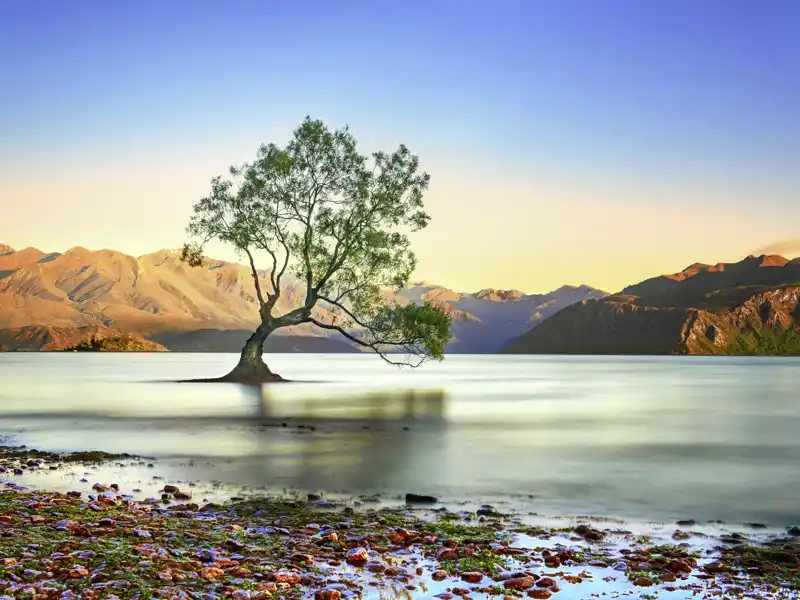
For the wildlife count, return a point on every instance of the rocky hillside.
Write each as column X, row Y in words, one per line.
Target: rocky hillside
column 749, row 307
column 48, row 299
column 488, row 320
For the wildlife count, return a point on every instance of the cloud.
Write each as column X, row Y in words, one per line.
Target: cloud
column 787, row 247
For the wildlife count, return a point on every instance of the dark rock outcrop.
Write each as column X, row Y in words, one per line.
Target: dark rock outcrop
column 750, row 307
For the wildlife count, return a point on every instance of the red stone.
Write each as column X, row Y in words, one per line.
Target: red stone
column 518, row 583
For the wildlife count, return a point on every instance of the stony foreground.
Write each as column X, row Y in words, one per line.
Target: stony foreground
column 105, row 545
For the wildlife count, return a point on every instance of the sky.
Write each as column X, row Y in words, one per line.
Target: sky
column 594, row 142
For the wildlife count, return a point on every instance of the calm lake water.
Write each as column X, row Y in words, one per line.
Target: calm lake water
column 644, row 438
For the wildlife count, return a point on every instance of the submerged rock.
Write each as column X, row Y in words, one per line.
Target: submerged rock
column 420, row 499
column 589, row 533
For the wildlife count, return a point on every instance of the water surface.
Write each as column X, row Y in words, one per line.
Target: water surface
column 657, row 438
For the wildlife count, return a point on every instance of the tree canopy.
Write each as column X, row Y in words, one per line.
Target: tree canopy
column 338, row 221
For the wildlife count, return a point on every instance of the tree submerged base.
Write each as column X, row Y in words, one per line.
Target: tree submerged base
column 246, row 375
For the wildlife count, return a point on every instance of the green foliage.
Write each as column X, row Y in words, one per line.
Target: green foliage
column 483, row 561
column 338, row 220
column 775, row 562
column 452, row 529
column 767, row 341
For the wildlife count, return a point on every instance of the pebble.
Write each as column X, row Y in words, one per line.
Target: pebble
column 446, row 554
column 518, row 583
column 77, row 571
column 306, row 559
column 357, row 556
column 211, row 573
column 287, row 577
column 546, row 582
column 375, row 567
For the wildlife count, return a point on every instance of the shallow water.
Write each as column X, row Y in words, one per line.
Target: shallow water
column 656, row 438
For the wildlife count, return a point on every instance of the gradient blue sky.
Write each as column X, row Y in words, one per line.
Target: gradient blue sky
column 569, row 141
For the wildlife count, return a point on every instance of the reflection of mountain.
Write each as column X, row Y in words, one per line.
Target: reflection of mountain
column 63, row 295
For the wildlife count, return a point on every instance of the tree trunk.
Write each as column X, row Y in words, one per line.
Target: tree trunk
column 251, row 367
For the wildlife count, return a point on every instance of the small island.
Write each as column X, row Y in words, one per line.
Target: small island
column 116, row 343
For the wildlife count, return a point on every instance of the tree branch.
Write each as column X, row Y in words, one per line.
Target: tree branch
column 264, row 245
column 347, row 311
column 348, row 291
column 349, row 230
column 255, row 277
column 371, row 345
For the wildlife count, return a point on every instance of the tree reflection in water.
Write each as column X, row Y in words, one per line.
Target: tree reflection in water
column 362, row 441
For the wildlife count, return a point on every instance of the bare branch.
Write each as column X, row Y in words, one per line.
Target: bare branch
column 347, row 311
column 374, row 346
column 255, row 277
column 264, row 245
column 348, row 291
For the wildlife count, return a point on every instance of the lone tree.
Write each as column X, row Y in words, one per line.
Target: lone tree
column 337, row 220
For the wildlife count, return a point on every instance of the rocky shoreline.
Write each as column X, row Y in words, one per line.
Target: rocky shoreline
column 105, row 544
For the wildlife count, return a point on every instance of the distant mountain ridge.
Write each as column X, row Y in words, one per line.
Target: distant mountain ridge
column 747, row 307
column 50, row 299
column 488, row 320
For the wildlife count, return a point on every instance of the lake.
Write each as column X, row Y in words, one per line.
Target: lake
column 648, row 438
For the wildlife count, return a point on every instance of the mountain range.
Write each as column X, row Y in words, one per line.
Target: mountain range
column 748, row 307
column 50, row 301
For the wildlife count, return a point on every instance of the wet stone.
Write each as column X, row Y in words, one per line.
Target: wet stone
column 518, row 583
column 305, row 559
column 420, row 499
column 375, row 567
column 357, row 556
column 287, row 577
column 446, row 554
